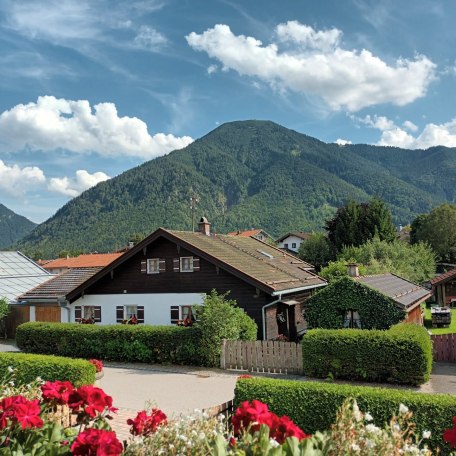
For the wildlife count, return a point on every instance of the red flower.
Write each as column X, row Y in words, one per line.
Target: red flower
column 57, row 392
column 233, row 442
column 145, row 424
column 96, row 442
column 285, row 428
column 18, row 409
column 97, row 363
column 253, row 414
column 450, row 434
column 89, row 399
column 244, row 376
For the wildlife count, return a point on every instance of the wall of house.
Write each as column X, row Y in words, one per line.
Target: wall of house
column 290, row 241
column 415, row 316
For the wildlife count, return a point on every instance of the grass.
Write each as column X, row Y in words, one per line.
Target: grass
column 442, row 330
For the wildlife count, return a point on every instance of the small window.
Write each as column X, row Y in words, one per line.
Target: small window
column 352, row 320
column 186, row 312
column 293, row 245
column 186, row 264
column 130, row 312
column 153, row 266
column 88, row 313
column 285, row 246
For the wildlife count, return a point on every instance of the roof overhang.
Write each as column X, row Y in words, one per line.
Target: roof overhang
column 295, row 290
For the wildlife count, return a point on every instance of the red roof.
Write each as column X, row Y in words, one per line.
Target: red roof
column 91, row 260
column 247, row 233
column 444, row 277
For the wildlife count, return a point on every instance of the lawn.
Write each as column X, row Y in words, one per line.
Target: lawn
column 428, row 323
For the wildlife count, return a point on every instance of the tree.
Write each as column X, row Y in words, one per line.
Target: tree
column 4, row 311
column 317, row 250
column 416, row 226
column 438, row 228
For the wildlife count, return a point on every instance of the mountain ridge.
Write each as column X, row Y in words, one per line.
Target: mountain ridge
column 13, row 226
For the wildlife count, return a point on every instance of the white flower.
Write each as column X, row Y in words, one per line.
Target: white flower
column 356, row 412
column 274, row 443
column 426, row 434
column 372, row 429
column 403, row 409
column 202, row 435
column 368, row 417
column 10, row 369
column 355, row 447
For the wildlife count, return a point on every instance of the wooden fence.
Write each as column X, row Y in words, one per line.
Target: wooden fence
column 262, row 356
column 444, row 347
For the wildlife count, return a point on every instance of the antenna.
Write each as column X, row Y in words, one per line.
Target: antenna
column 193, row 201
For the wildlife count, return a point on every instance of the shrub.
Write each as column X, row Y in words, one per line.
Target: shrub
column 313, row 406
column 402, row 354
column 28, row 367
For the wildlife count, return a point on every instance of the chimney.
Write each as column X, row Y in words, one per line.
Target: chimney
column 131, row 244
column 204, row 226
column 352, row 269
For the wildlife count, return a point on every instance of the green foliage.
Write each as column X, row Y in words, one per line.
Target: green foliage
column 412, row 262
column 415, row 227
column 4, row 308
column 13, row 226
column 439, row 230
column 356, row 223
column 313, row 405
column 129, row 343
column 251, row 173
column 28, row 367
column 317, row 250
column 402, row 354
column 327, row 308
column 221, row 319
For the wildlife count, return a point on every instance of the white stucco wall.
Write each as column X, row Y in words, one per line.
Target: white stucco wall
column 289, row 240
column 157, row 306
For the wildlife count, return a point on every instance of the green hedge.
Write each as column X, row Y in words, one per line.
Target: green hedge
column 129, row 343
column 402, row 354
column 29, row 367
column 313, row 405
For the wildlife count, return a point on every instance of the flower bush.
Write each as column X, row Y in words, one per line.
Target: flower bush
column 97, row 363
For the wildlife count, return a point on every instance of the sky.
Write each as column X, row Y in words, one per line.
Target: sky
column 91, row 88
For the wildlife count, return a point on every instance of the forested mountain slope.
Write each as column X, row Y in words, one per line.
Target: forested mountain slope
column 248, row 174
column 12, row 226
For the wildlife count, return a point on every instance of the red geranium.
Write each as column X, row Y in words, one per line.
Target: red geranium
column 145, row 424
column 57, row 392
column 285, row 428
column 450, row 434
column 96, row 442
column 97, row 363
column 18, row 409
column 89, row 399
column 244, row 376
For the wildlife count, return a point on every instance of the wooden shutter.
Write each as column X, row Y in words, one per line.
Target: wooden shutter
column 97, row 314
column 196, row 264
column 162, row 265
column 77, row 314
column 174, row 315
column 176, row 264
column 140, row 314
column 144, row 266
column 119, row 314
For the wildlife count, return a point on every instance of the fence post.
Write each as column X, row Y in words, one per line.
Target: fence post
column 223, row 355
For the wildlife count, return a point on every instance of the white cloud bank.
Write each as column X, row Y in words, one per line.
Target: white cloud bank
column 393, row 135
column 342, row 142
column 313, row 62
column 74, row 187
column 53, row 123
column 15, row 180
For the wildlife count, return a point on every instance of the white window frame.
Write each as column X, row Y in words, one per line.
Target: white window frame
column 155, row 262
column 293, row 245
column 135, row 313
column 85, row 309
column 181, row 262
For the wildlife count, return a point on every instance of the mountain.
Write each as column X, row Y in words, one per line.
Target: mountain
column 12, row 226
column 248, row 174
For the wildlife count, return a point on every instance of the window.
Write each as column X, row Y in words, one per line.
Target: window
column 186, row 264
column 130, row 311
column 352, row 320
column 87, row 314
column 130, row 314
column 153, row 266
column 293, row 245
column 285, row 246
column 182, row 315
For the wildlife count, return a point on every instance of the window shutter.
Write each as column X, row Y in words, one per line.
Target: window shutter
column 140, row 314
column 162, row 265
column 119, row 314
column 176, row 265
column 97, row 314
column 77, row 314
column 196, row 264
column 174, row 315
column 143, row 266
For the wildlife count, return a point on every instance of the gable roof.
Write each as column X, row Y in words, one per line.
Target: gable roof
column 258, row 263
column 18, row 274
column 442, row 278
column 84, row 261
column 300, row 234
column 405, row 293
column 60, row 285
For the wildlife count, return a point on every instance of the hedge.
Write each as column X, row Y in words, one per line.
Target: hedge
column 402, row 354
column 313, row 406
column 29, row 367
column 128, row 343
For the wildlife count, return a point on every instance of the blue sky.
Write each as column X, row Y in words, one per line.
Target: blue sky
column 91, row 88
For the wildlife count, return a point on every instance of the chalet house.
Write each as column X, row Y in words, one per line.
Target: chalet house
column 292, row 241
column 160, row 278
column 444, row 288
column 259, row 234
column 92, row 260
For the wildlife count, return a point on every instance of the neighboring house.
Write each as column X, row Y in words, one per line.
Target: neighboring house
column 292, row 241
column 163, row 276
column 259, row 234
column 91, row 260
column 444, row 288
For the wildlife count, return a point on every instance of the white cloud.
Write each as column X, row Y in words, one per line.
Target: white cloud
column 16, row 180
column 432, row 134
column 74, row 187
column 212, row 69
column 342, row 142
column 314, row 63
column 53, row 123
column 149, row 39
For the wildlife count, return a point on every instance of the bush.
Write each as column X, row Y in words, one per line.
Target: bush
column 129, row 343
column 402, row 354
column 29, row 367
column 313, row 406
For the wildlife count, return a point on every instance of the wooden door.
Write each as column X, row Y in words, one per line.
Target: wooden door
column 47, row 313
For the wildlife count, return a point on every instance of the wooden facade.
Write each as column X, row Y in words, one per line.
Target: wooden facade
column 18, row 314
